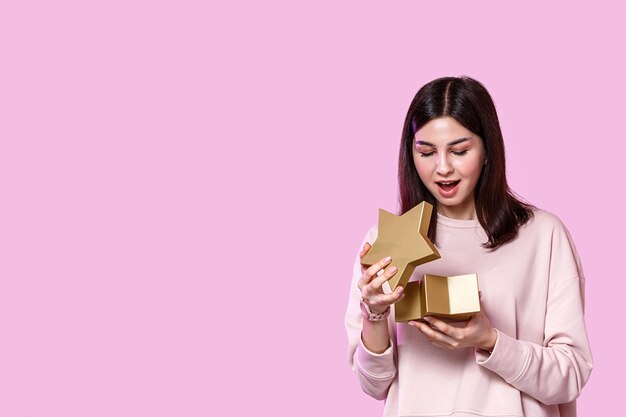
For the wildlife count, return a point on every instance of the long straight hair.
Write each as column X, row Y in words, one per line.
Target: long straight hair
column 467, row 101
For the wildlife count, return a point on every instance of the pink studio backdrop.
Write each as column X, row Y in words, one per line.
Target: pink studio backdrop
column 184, row 187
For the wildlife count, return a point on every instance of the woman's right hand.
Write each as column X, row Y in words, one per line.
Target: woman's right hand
column 371, row 285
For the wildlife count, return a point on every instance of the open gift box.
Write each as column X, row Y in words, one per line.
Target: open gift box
column 405, row 239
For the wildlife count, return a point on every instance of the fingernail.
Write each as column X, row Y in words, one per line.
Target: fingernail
column 393, row 269
column 388, row 258
column 427, row 319
column 400, row 290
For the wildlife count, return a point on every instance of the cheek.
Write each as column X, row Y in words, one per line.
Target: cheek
column 422, row 167
column 469, row 168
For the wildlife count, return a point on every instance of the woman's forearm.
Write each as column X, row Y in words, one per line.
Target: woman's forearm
column 375, row 335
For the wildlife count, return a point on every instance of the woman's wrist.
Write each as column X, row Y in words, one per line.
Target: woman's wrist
column 490, row 343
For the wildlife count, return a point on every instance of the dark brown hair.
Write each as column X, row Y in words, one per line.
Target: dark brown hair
column 468, row 102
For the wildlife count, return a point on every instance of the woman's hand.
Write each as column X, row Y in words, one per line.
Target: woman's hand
column 477, row 332
column 371, row 284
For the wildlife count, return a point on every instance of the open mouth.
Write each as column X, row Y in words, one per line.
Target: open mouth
column 447, row 185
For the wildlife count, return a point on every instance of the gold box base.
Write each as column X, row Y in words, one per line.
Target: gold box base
column 450, row 298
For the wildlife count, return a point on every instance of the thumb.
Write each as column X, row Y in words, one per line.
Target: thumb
column 365, row 249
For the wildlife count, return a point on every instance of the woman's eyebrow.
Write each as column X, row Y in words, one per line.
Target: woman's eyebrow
column 454, row 142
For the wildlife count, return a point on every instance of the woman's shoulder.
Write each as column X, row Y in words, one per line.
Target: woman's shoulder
column 544, row 221
column 545, row 217
column 548, row 227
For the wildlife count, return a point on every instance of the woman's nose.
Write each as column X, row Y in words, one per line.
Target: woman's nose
column 443, row 165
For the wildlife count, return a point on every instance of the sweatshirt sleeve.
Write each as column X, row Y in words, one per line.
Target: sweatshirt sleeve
column 555, row 371
column 375, row 372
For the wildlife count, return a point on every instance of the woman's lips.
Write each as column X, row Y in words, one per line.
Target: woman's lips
column 448, row 188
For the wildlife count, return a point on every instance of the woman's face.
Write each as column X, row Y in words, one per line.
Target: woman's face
column 449, row 159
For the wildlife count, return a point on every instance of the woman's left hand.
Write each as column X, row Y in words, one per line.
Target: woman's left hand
column 477, row 332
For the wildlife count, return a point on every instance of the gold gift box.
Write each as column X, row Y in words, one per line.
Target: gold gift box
column 453, row 298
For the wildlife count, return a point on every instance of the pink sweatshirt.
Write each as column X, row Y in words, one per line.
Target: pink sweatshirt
column 533, row 293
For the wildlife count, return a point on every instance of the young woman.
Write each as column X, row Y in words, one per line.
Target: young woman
column 526, row 353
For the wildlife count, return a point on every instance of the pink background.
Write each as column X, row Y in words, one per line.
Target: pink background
column 184, row 187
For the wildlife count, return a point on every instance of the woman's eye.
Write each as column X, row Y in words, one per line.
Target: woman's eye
column 460, row 153
column 426, row 154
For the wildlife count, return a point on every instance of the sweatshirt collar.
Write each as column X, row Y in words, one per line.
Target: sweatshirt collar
column 462, row 224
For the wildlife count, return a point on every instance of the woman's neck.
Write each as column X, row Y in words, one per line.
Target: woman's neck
column 458, row 213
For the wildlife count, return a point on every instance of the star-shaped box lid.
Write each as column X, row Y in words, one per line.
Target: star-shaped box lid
column 405, row 239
